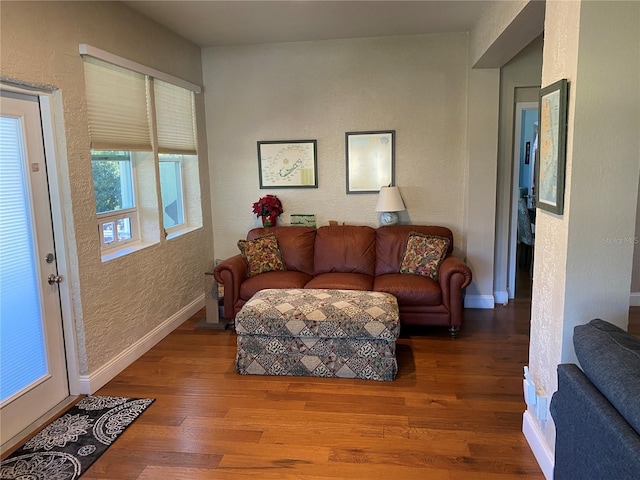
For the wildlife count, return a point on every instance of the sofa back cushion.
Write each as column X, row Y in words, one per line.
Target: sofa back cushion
column 296, row 245
column 391, row 243
column 610, row 358
column 346, row 249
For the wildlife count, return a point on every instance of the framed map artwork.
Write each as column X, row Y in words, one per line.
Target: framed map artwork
column 288, row 164
column 370, row 161
column 551, row 161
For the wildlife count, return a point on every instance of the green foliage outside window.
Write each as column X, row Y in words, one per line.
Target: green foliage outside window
column 111, row 180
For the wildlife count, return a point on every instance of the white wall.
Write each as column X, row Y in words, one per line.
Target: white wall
column 581, row 270
column 117, row 303
column 483, row 98
column 416, row 85
column 635, row 281
column 503, row 30
column 524, row 70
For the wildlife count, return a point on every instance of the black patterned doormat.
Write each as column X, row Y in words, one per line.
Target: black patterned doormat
column 67, row 447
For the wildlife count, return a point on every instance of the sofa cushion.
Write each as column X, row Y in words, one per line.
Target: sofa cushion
column 346, row 249
column 391, row 243
column 409, row 289
column 424, row 255
column 610, row 358
column 296, row 245
column 279, row 279
column 342, row 281
column 262, row 255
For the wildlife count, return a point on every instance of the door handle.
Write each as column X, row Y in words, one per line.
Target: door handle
column 53, row 279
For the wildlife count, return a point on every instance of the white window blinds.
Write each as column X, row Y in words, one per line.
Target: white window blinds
column 24, row 359
column 175, row 118
column 117, row 107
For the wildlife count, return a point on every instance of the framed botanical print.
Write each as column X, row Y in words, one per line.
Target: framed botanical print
column 288, row 164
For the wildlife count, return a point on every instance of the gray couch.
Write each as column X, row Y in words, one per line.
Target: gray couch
column 596, row 409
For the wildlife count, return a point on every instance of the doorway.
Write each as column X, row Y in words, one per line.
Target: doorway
column 33, row 360
column 522, row 237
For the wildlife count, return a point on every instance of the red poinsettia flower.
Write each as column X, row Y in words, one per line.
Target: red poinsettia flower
column 268, row 206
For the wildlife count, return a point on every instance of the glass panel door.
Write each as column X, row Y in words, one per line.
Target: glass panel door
column 33, row 374
column 22, row 352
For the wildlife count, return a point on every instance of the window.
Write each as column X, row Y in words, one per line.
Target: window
column 176, row 135
column 113, row 182
column 123, row 126
column 172, row 191
column 118, row 114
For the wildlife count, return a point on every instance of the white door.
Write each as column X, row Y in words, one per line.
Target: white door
column 33, row 373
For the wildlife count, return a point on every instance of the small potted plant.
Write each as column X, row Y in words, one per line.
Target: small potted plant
column 269, row 208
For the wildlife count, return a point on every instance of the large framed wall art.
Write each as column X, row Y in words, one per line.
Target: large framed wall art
column 288, row 164
column 370, row 160
column 551, row 161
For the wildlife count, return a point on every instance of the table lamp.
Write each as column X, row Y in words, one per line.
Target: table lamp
column 389, row 202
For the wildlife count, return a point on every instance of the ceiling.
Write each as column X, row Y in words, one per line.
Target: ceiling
column 242, row 22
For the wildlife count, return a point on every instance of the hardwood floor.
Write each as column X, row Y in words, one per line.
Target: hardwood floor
column 454, row 412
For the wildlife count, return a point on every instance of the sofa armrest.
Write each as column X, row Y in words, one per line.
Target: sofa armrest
column 592, row 438
column 454, row 276
column 449, row 267
column 231, row 273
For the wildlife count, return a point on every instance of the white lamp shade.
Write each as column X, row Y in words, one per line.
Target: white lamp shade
column 389, row 200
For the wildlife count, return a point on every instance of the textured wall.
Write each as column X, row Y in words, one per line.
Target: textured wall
column 115, row 303
column 416, row 85
column 560, row 60
column 582, row 270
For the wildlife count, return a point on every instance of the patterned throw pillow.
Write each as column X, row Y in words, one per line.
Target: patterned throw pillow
column 424, row 254
column 262, row 254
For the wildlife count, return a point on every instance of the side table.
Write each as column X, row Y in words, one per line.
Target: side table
column 214, row 319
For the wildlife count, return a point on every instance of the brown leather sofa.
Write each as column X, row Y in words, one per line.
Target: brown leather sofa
column 354, row 258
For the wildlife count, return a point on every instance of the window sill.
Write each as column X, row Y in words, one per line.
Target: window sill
column 183, row 231
column 127, row 249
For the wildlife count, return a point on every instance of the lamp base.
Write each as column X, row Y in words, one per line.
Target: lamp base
column 388, row 218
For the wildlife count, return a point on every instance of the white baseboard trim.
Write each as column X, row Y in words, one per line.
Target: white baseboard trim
column 501, row 297
column 96, row 380
column 478, row 301
column 537, row 444
column 634, row 299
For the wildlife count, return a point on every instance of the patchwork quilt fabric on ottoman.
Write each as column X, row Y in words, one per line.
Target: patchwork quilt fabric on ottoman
column 322, row 333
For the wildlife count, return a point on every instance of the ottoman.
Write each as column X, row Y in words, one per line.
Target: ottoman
column 319, row 333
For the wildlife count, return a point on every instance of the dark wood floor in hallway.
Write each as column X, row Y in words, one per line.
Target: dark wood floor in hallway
column 454, row 412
